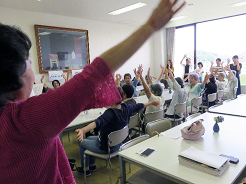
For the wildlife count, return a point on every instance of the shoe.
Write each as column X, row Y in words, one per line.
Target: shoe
column 93, row 168
column 80, row 171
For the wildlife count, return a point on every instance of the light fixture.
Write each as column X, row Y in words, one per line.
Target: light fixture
column 127, row 8
column 178, row 18
column 239, row 4
column 39, row 0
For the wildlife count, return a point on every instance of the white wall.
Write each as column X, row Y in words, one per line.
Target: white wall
column 102, row 35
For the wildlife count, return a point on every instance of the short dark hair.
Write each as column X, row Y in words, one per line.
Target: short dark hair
column 56, row 81
column 235, row 57
column 156, row 89
column 127, row 74
column 164, row 81
column 218, row 59
column 128, row 90
column 14, row 51
column 180, row 81
column 200, row 63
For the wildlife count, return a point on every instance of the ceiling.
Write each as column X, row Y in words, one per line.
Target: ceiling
column 201, row 10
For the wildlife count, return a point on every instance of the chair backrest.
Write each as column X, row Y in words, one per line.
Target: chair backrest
column 160, row 125
column 220, row 95
column 118, row 136
column 134, row 121
column 235, row 92
column 196, row 101
column 192, row 116
column 212, row 97
column 134, row 141
column 153, row 116
column 180, row 108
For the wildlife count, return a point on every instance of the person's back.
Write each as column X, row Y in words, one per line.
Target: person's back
column 229, row 90
column 119, row 118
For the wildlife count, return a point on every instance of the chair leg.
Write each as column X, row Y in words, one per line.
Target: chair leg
column 84, row 168
column 130, row 169
column 110, row 170
column 68, row 135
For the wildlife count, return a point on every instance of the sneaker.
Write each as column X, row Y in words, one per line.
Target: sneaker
column 80, row 171
column 93, row 168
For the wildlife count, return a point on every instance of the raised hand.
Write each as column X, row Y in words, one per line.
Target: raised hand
column 80, row 134
column 228, row 61
column 140, row 70
column 163, row 13
column 207, row 76
column 227, row 67
column 171, row 75
column 42, row 79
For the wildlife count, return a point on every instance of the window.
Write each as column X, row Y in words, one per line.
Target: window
column 221, row 38
column 184, row 44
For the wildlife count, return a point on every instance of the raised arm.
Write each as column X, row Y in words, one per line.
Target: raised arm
column 161, row 74
column 118, row 55
column 205, row 80
column 148, row 77
column 146, row 87
column 181, row 62
column 211, row 67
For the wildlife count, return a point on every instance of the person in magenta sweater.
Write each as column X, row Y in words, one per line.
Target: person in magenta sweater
column 31, row 151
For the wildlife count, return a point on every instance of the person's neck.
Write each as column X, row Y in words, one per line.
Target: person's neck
column 116, row 106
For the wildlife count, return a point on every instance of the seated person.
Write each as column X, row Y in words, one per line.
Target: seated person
column 194, row 89
column 55, row 83
column 153, row 92
column 179, row 95
column 113, row 119
column 210, row 88
column 232, row 83
column 221, row 83
column 128, row 93
column 134, row 83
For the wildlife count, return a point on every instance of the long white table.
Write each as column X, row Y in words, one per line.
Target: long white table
column 164, row 161
column 234, row 107
column 85, row 118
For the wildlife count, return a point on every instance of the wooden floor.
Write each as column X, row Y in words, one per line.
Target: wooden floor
column 101, row 176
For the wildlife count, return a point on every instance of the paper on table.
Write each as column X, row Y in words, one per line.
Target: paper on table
column 173, row 133
column 209, row 159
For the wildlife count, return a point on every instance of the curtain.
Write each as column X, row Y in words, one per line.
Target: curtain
column 170, row 35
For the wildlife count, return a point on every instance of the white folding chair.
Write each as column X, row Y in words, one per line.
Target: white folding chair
column 212, row 97
column 114, row 138
column 196, row 102
column 220, row 96
column 134, row 122
column 235, row 92
column 192, row 116
column 152, row 116
column 179, row 109
column 159, row 126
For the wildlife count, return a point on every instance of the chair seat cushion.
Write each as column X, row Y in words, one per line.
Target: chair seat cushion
column 102, row 156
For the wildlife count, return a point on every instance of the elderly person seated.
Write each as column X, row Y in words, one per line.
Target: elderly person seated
column 221, row 83
column 179, row 94
column 153, row 92
column 232, row 83
column 194, row 89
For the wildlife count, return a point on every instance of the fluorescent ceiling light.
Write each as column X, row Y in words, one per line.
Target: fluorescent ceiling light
column 128, row 8
column 239, row 4
column 178, row 18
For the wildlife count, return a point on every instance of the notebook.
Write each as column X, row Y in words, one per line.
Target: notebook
column 206, row 162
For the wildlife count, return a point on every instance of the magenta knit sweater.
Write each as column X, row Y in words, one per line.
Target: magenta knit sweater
column 30, row 148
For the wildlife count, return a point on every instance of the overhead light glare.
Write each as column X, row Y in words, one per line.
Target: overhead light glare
column 44, row 33
column 239, row 4
column 127, row 8
column 178, row 18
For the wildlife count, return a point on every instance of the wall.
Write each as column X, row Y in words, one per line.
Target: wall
column 102, row 35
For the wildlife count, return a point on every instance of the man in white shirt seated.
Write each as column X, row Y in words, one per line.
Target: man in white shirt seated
column 221, row 83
